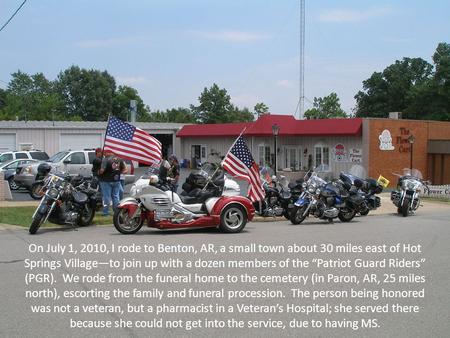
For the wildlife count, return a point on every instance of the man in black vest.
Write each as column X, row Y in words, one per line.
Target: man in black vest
column 111, row 168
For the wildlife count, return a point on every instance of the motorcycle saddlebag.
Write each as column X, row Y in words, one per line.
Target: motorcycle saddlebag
column 356, row 200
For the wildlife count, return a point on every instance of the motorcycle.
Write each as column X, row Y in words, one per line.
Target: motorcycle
column 368, row 188
column 279, row 197
column 406, row 198
column 65, row 203
column 206, row 201
column 325, row 200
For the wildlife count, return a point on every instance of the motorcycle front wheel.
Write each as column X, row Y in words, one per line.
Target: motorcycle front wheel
column 404, row 207
column 347, row 215
column 86, row 216
column 297, row 214
column 124, row 224
column 36, row 223
column 35, row 190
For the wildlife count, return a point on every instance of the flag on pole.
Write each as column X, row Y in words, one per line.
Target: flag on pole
column 239, row 162
column 131, row 143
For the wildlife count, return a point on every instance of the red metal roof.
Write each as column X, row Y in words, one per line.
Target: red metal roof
column 206, row 130
column 288, row 125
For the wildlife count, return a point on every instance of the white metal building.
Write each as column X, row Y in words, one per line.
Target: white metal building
column 52, row 137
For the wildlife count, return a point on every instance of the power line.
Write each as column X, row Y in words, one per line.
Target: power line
column 12, row 16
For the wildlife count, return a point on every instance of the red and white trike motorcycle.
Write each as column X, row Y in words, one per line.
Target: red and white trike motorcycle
column 206, row 201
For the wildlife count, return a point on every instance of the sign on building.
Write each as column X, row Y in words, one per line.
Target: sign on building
column 386, row 140
column 355, row 155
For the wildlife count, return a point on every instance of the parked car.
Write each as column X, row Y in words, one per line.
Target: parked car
column 74, row 162
column 15, row 155
column 9, row 170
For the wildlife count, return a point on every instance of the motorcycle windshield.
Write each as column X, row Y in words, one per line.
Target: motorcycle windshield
column 317, row 181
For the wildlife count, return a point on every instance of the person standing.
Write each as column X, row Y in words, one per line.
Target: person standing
column 111, row 168
column 174, row 172
column 96, row 165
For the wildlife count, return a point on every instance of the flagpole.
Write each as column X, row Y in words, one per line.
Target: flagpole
column 233, row 144
column 106, row 131
column 219, row 166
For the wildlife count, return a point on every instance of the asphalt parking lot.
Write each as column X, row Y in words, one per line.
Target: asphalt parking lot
column 429, row 228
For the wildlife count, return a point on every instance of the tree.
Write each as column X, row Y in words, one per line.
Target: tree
column 391, row 90
column 216, row 107
column 261, row 109
column 176, row 115
column 121, row 103
column 325, row 108
column 31, row 98
column 86, row 93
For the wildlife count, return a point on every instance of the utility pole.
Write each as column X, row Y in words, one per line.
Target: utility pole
column 302, row 60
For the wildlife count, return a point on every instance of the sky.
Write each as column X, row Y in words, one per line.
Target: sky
column 170, row 50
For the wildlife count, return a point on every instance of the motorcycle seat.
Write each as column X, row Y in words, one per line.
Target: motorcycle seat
column 196, row 196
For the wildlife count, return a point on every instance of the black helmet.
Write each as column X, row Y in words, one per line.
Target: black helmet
column 44, row 168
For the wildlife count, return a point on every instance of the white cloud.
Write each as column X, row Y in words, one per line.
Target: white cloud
column 351, row 15
column 109, row 42
column 131, row 80
column 245, row 100
column 231, row 36
column 284, row 83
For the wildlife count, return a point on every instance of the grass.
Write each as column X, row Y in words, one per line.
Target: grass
column 22, row 216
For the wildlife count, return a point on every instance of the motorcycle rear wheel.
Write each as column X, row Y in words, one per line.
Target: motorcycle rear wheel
column 86, row 216
column 346, row 216
column 297, row 214
column 36, row 223
column 233, row 219
column 124, row 224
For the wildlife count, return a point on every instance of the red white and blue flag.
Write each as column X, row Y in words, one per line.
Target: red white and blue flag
column 129, row 142
column 239, row 162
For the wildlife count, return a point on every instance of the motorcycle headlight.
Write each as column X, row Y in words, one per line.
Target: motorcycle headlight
column 318, row 192
column 304, row 185
column 411, row 186
column 53, row 193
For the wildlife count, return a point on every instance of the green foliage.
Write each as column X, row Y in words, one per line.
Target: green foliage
column 176, row 115
column 260, row 109
column 121, row 103
column 412, row 86
column 86, row 93
column 325, row 108
column 216, row 107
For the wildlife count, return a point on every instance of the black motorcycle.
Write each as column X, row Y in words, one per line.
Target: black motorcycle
column 279, row 197
column 368, row 189
column 37, row 188
column 65, row 203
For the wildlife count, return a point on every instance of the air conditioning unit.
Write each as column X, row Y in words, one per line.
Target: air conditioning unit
column 396, row 115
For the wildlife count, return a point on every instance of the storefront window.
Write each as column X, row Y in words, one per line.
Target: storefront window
column 322, row 156
column 264, row 156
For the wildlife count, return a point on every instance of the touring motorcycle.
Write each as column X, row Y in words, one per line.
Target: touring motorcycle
column 406, row 198
column 326, row 200
column 65, row 201
column 206, row 201
column 368, row 189
column 280, row 196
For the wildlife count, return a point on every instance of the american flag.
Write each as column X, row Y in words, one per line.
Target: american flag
column 239, row 162
column 131, row 143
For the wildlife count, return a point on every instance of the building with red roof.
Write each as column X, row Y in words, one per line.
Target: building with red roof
column 369, row 147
